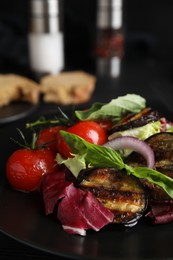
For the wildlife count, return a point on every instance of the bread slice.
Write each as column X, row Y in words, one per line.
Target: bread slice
column 67, row 88
column 15, row 87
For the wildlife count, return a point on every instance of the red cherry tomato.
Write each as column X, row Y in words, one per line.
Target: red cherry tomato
column 62, row 147
column 24, row 168
column 47, row 137
column 88, row 130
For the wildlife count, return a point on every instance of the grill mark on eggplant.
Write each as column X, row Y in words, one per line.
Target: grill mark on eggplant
column 147, row 115
column 162, row 145
column 117, row 191
column 102, row 193
column 109, row 179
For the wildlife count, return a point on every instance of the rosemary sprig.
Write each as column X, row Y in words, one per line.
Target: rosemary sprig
column 63, row 119
column 43, row 121
column 25, row 144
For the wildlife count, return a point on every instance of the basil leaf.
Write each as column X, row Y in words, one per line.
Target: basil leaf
column 155, row 177
column 114, row 110
column 95, row 155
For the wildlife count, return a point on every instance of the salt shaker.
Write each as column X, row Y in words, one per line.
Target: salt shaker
column 45, row 39
column 110, row 39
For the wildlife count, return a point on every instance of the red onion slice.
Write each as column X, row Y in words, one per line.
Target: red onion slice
column 129, row 142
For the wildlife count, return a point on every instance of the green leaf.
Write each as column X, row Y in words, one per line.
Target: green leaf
column 114, row 110
column 155, row 177
column 89, row 113
column 94, row 154
column 75, row 165
column 142, row 133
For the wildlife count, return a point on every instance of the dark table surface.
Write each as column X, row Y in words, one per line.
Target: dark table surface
column 144, row 78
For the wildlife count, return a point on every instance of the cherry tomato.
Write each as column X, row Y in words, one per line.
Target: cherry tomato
column 47, row 137
column 88, row 130
column 24, row 168
column 62, row 147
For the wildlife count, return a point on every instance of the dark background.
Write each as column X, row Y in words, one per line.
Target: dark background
column 147, row 28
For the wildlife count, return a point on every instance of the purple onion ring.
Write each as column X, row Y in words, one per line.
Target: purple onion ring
column 139, row 146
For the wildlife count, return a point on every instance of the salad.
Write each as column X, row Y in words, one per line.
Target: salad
column 108, row 164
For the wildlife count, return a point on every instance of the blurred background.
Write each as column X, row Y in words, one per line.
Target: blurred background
column 147, row 28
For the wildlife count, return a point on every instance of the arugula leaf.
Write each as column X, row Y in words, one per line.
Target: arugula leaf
column 100, row 156
column 114, row 110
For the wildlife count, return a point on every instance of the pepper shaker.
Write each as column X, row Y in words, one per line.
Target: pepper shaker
column 45, row 39
column 110, row 40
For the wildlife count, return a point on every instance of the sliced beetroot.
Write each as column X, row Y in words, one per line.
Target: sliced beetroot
column 96, row 215
column 161, row 212
column 53, row 186
column 69, row 212
column 80, row 210
column 77, row 210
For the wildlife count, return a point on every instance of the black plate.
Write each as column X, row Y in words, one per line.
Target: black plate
column 22, row 217
column 15, row 111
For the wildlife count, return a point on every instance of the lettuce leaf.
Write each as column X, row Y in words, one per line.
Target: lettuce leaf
column 169, row 128
column 114, row 110
column 100, row 156
column 75, row 165
column 142, row 133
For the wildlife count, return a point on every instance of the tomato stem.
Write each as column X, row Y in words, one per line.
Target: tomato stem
column 34, row 139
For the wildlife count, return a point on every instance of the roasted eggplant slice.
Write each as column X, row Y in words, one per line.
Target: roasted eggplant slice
column 162, row 145
column 117, row 191
column 147, row 115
